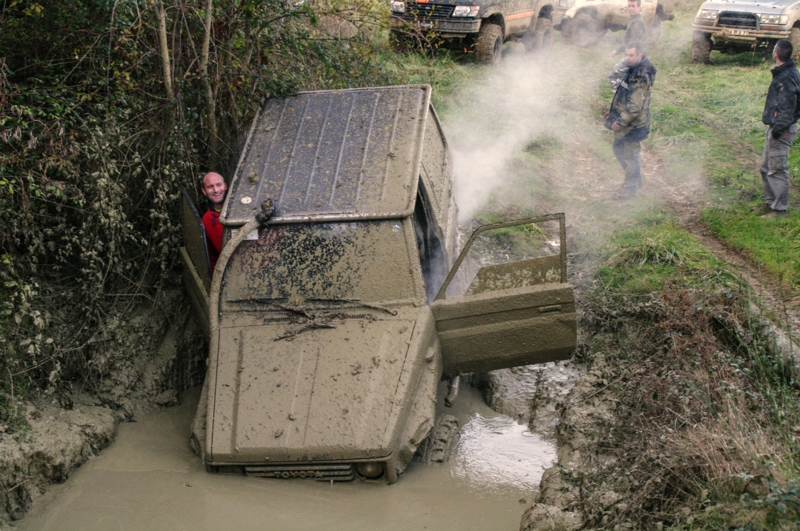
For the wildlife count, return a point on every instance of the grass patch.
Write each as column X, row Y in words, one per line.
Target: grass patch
column 773, row 242
column 656, row 251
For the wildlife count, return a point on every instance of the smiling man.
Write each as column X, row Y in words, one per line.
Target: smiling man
column 214, row 188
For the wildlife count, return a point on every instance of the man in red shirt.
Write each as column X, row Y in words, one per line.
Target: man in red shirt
column 214, row 188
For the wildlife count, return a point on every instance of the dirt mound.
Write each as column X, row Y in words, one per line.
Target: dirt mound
column 140, row 362
column 56, row 442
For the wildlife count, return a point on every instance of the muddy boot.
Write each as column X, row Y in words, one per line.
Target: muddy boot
column 452, row 391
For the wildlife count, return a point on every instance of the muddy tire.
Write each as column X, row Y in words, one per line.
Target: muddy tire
column 654, row 31
column 540, row 40
column 489, row 47
column 438, row 445
column 583, row 31
column 701, row 48
column 794, row 38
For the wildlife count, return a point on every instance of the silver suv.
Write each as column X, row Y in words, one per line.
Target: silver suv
column 743, row 26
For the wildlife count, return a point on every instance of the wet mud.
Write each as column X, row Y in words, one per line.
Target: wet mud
column 150, row 479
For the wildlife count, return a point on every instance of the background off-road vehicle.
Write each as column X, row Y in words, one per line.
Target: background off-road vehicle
column 332, row 320
column 482, row 25
column 743, row 26
column 584, row 22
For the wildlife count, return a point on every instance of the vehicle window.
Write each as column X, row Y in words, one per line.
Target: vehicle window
column 432, row 254
column 510, row 257
column 315, row 263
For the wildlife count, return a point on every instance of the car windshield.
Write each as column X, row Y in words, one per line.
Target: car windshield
column 313, row 264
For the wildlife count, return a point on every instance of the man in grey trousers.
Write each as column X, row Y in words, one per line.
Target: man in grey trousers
column 781, row 112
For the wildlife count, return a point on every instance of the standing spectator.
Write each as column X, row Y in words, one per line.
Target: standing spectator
column 214, row 188
column 636, row 32
column 781, row 112
column 629, row 117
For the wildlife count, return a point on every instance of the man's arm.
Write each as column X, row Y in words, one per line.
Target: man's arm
column 787, row 102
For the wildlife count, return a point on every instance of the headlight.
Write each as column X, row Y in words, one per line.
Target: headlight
column 774, row 19
column 466, row 11
column 398, row 7
column 707, row 14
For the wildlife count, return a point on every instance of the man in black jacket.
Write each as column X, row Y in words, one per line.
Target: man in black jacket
column 637, row 31
column 629, row 117
column 781, row 111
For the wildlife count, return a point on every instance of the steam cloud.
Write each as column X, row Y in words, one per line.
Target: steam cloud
column 492, row 120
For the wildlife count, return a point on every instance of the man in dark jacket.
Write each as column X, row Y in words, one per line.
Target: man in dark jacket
column 637, row 31
column 781, row 112
column 629, row 117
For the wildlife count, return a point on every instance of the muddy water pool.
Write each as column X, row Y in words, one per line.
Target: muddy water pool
column 149, row 479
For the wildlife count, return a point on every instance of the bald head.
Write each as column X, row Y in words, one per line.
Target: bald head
column 214, row 188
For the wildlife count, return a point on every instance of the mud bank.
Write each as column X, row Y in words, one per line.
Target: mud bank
column 56, row 443
column 144, row 358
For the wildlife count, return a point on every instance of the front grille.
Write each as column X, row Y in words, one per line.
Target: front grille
column 732, row 19
column 338, row 472
column 433, row 11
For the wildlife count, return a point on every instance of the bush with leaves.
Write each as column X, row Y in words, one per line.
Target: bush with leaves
column 106, row 108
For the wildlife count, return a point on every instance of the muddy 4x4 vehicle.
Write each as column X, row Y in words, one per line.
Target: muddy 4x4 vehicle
column 333, row 318
column 743, row 26
column 583, row 22
column 482, row 25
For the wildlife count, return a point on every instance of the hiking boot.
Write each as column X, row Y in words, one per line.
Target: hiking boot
column 622, row 194
column 774, row 214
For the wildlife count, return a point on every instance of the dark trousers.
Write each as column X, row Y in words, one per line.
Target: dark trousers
column 775, row 168
column 629, row 155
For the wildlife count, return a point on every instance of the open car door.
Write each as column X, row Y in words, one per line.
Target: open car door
column 518, row 308
column 194, row 258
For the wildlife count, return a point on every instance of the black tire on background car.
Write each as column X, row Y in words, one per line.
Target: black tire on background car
column 489, row 47
column 584, row 30
column 794, row 37
column 439, row 443
column 654, row 31
column 541, row 38
column 701, row 48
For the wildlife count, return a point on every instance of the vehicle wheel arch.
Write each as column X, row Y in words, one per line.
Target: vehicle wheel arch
column 590, row 11
column 546, row 12
column 495, row 18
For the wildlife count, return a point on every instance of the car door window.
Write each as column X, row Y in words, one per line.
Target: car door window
column 510, row 255
column 432, row 254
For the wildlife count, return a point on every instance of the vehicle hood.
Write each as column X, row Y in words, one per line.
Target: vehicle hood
column 776, row 7
column 319, row 394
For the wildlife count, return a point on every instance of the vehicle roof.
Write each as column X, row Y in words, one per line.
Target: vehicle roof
column 332, row 155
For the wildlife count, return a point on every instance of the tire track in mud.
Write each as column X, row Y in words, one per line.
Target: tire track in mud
column 766, row 289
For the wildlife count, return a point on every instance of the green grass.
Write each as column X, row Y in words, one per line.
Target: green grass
column 656, row 251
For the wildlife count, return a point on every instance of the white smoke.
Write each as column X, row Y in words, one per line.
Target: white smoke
column 525, row 97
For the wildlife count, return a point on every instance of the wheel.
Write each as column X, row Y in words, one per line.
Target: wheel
column 584, row 30
column 440, row 441
column 541, row 38
column 794, row 37
column 489, row 47
column 701, row 48
column 654, row 32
